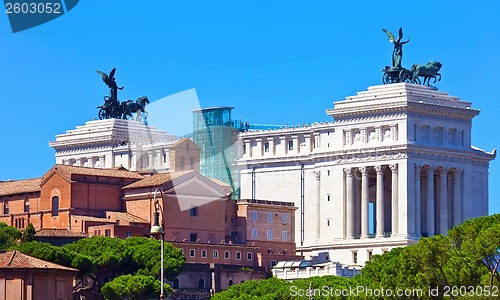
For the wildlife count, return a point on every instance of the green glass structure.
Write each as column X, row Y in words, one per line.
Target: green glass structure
column 216, row 134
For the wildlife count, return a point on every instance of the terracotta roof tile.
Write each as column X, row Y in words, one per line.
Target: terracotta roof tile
column 155, row 180
column 13, row 187
column 58, row 233
column 17, row 260
column 219, row 182
column 92, row 219
column 67, row 171
column 126, row 216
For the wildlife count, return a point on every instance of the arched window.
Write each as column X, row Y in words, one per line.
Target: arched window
column 5, row 207
column 201, row 283
column 175, row 283
column 55, row 206
column 230, row 282
column 181, row 167
column 26, row 205
column 191, row 163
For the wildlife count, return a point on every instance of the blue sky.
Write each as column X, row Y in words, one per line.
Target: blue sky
column 281, row 62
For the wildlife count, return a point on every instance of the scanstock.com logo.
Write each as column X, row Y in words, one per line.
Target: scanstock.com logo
column 26, row 14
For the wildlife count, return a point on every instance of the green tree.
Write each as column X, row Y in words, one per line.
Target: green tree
column 133, row 287
column 146, row 254
column 59, row 255
column 8, row 236
column 29, row 233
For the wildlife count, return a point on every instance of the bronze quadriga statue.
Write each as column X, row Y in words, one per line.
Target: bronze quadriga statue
column 397, row 73
column 112, row 108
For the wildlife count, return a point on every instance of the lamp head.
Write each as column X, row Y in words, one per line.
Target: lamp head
column 156, row 228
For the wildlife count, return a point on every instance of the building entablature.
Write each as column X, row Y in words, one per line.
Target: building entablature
column 382, row 153
column 290, row 130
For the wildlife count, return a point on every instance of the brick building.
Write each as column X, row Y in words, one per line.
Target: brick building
column 25, row 277
column 224, row 241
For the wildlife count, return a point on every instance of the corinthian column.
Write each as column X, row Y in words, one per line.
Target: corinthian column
column 443, row 201
column 317, row 174
column 418, row 201
column 430, row 201
column 380, row 201
column 457, row 197
column 349, row 204
column 394, row 199
column 364, row 202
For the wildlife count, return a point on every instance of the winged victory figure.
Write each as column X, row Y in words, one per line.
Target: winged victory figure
column 397, row 53
column 111, row 83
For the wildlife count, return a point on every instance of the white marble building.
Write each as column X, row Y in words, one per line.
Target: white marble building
column 395, row 164
column 115, row 142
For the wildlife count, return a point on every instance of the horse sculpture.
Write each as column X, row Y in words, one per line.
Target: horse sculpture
column 129, row 107
column 430, row 70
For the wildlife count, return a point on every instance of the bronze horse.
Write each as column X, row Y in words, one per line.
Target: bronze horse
column 129, row 107
column 430, row 70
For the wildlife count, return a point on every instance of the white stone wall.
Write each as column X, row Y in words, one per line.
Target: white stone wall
column 399, row 136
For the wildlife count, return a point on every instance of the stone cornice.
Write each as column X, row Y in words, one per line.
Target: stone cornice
column 375, row 154
column 401, row 107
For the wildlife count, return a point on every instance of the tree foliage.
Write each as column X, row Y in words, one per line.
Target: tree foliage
column 133, row 287
column 467, row 257
column 59, row 255
column 8, row 236
column 29, row 233
column 103, row 258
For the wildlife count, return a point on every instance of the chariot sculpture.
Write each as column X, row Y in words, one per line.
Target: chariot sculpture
column 397, row 73
column 112, row 108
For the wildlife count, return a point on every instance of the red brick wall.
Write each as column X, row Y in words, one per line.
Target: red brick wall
column 209, row 224
column 221, row 249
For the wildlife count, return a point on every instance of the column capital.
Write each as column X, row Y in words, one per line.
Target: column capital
column 379, row 169
column 363, row 170
column 456, row 170
column 419, row 167
column 394, row 168
column 443, row 170
column 317, row 174
column 348, row 171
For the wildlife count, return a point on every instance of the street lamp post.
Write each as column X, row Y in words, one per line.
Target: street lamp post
column 157, row 228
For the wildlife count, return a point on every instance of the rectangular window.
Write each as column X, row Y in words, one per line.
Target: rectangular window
column 269, row 234
column 244, row 149
column 55, row 206
column 249, row 255
column 328, row 197
column 191, row 252
column 254, row 216
column 328, row 172
column 369, row 255
column 238, row 255
column 226, row 254
column 254, row 233
column 216, row 254
column 269, row 217
column 107, row 232
column 266, row 147
column 193, row 237
column 193, row 211
column 6, row 208
column 290, row 145
column 355, row 257
column 203, row 253
column 284, row 236
column 284, row 218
